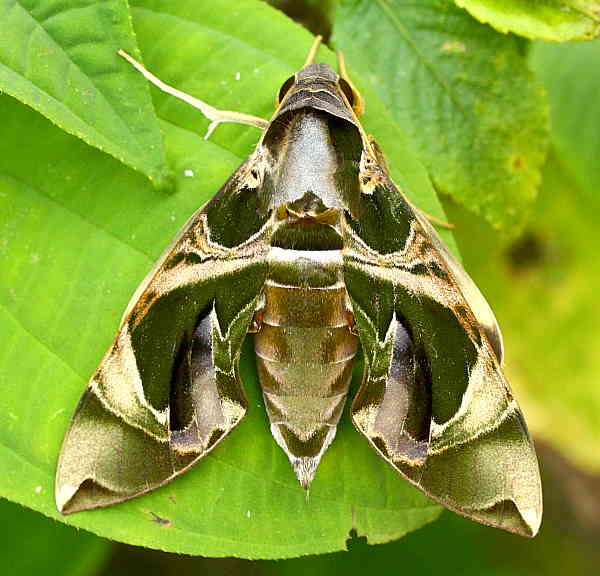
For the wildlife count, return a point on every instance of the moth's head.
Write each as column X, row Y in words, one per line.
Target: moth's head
column 318, row 86
column 314, row 142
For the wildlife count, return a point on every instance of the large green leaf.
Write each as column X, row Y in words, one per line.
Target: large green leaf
column 61, row 59
column 78, row 231
column 558, row 20
column 32, row 544
column 461, row 91
column 453, row 546
column 570, row 75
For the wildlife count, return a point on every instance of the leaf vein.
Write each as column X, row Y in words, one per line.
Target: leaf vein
column 385, row 7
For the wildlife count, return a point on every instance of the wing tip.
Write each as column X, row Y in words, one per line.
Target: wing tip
column 532, row 517
column 63, row 494
column 507, row 515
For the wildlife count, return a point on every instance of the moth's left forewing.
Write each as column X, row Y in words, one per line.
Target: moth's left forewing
column 168, row 389
column 434, row 401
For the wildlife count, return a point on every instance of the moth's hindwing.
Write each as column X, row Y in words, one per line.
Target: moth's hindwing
column 434, row 402
column 168, row 389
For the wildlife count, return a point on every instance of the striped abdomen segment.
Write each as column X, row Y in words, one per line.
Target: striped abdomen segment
column 305, row 352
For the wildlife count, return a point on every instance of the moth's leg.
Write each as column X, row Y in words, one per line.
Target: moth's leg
column 257, row 322
column 436, row 221
column 215, row 115
column 259, row 313
column 351, row 322
column 358, row 104
column 350, row 319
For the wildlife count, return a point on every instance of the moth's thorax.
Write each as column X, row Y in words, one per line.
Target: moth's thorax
column 316, row 152
column 310, row 162
column 304, row 346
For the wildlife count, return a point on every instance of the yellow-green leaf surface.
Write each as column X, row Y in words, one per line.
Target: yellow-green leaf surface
column 60, row 58
column 33, row 544
column 79, row 231
column 463, row 94
column 558, row 20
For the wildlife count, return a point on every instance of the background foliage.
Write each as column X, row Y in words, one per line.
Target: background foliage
column 97, row 173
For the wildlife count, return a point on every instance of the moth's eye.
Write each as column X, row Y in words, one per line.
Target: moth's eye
column 353, row 95
column 285, row 88
column 347, row 90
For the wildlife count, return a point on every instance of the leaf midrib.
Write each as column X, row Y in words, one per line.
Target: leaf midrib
column 411, row 43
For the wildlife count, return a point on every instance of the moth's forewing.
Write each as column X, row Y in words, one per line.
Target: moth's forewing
column 471, row 293
column 434, row 402
column 168, row 389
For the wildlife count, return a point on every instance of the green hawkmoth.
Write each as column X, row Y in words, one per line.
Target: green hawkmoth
column 313, row 249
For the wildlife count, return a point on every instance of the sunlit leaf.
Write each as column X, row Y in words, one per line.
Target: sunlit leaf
column 463, row 94
column 544, row 289
column 60, row 58
column 558, row 20
column 570, row 75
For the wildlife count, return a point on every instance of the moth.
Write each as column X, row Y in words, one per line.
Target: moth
column 311, row 248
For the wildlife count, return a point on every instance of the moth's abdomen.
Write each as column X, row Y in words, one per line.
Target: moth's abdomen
column 305, row 352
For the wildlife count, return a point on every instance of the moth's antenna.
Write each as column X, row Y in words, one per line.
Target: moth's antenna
column 310, row 58
column 358, row 104
column 215, row 115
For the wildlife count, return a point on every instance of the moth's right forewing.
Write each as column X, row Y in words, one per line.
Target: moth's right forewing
column 434, row 402
column 168, row 390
